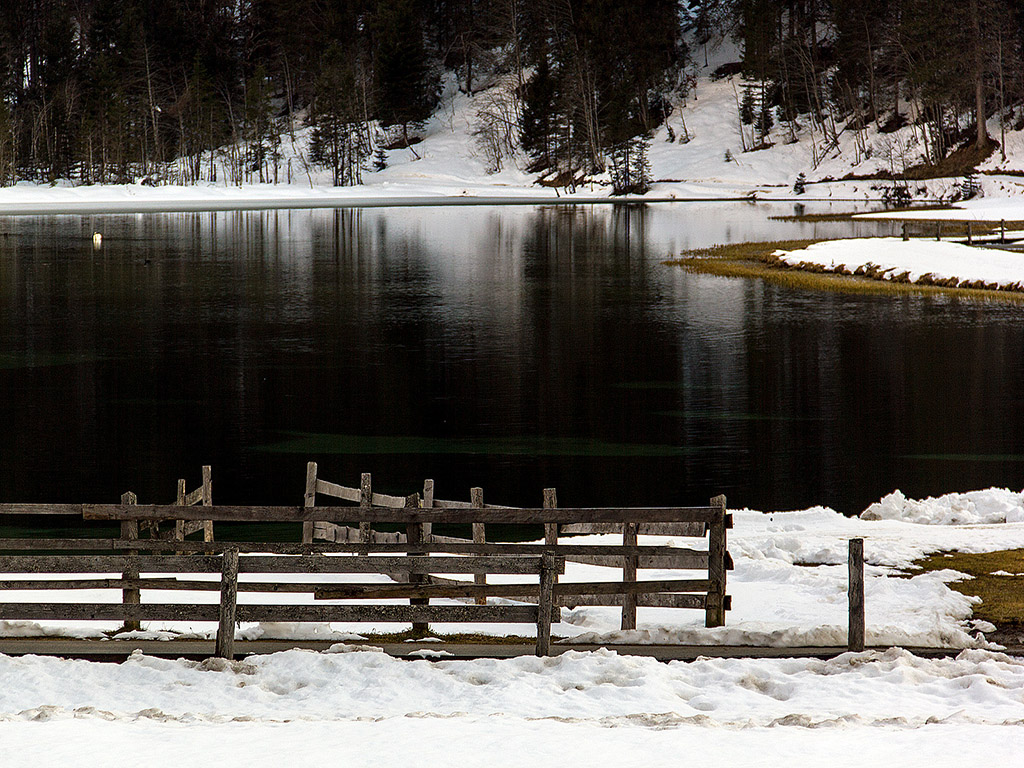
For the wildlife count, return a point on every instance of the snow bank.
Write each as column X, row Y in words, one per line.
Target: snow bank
column 996, row 505
column 913, row 261
column 894, row 686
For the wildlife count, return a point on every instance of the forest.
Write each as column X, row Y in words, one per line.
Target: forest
column 181, row 91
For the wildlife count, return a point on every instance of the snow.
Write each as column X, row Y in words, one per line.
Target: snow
column 446, row 167
column 912, row 260
column 595, row 708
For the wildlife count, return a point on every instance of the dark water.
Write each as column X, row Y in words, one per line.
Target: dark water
column 511, row 348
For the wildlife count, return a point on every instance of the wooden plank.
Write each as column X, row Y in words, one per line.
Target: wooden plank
column 207, row 500
column 406, row 614
column 428, row 503
column 365, row 502
column 130, row 531
column 546, row 605
column 337, row 491
column 691, row 530
column 414, row 535
column 225, row 646
column 857, row 629
column 386, row 500
column 476, row 499
column 513, row 564
column 107, row 612
column 714, row 615
column 309, row 500
column 550, row 529
column 399, row 515
column 401, row 591
column 656, row 600
column 41, row 509
column 193, row 498
column 510, row 564
column 598, row 554
column 629, row 568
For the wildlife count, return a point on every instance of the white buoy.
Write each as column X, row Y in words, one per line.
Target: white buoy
column 97, row 240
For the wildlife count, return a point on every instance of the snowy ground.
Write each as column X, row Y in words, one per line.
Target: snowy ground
column 598, row 708
column 916, row 261
column 448, row 166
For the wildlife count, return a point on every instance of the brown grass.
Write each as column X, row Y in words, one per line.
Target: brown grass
column 757, row 260
column 1002, row 597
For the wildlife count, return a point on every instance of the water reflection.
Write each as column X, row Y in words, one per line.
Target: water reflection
column 512, row 348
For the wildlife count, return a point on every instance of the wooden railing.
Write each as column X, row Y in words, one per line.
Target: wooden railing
column 421, row 563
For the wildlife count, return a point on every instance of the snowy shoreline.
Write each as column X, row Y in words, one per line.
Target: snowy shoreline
column 916, row 262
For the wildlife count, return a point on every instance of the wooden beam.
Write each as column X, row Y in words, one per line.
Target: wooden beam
column 476, row 499
column 855, row 637
column 489, row 515
column 225, row 646
column 714, row 612
column 563, row 589
column 309, row 500
column 130, row 531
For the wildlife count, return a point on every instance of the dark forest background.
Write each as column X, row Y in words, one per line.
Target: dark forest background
column 128, row 90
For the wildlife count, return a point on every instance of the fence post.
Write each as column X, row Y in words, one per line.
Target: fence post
column 714, row 612
column 130, row 595
column 906, row 236
column 476, row 499
column 550, row 529
column 970, row 236
column 1002, row 230
column 365, row 502
column 225, row 647
column 545, row 604
column 179, row 525
column 629, row 565
column 428, row 503
column 309, row 501
column 857, row 630
column 207, row 501
column 414, row 535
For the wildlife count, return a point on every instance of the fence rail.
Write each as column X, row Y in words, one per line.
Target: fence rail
column 421, row 564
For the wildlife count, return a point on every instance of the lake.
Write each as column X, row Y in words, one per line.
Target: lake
column 511, row 348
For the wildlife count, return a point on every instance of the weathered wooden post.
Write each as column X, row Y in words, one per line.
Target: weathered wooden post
column 857, row 629
column 207, row 501
column 714, row 611
column 476, row 500
column 550, row 529
column 309, row 501
column 629, row 567
column 970, row 234
column 130, row 595
column 428, row 503
column 1002, row 230
column 906, row 236
column 225, row 646
column 414, row 535
column 545, row 604
column 365, row 502
column 179, row 525
column 938, row 231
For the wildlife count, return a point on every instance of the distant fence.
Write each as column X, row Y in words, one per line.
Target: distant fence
column 421, row 563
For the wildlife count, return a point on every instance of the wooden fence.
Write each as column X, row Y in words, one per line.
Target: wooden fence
column 421, row 564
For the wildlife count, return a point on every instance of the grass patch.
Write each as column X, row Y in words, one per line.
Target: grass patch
column 757, row 261
column 1002, row 597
